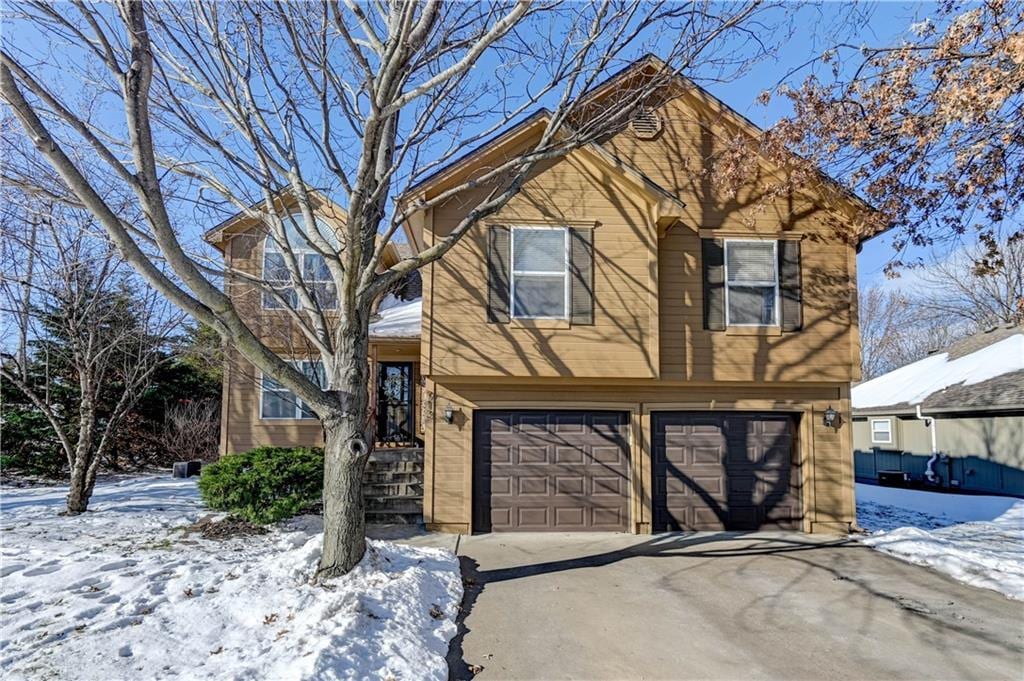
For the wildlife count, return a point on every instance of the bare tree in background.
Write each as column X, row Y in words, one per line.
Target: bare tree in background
column 982, row 285
column 897, row 329
column 973, row 289
column 248, row 102
column 77, row 316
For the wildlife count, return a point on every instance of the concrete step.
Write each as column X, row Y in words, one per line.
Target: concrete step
column 399, row 489
column 394, row 505
column 386, row 518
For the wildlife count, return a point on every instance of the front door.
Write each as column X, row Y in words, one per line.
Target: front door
column 395, row 412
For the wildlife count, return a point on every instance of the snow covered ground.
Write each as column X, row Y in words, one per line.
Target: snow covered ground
column 978, row 540
column 123, row 593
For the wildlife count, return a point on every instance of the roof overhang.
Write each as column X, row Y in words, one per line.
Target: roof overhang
column 284, row 201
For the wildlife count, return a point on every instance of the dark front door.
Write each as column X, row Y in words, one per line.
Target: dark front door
column 725, row 471
column 550, row 471
column 395, row 412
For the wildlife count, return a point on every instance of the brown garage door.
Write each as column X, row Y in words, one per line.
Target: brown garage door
column 725, row 471
column 550, row 471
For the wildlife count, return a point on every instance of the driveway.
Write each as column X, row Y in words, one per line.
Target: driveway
column 721, row 606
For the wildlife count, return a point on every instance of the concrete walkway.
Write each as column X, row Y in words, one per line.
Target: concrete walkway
column 721, row 606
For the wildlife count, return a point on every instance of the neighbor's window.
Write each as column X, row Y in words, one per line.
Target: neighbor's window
column 311, row 266
column 277, row 402
column 751, row 283
column 540, row 272
column 881, row 431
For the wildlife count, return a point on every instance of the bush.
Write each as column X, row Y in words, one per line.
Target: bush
column 265, row 484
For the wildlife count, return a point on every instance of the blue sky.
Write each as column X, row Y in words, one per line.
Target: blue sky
column 887, row 22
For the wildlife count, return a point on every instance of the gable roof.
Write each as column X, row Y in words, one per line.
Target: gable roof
column 980, row 373
column 284, row 200
column 650, row 63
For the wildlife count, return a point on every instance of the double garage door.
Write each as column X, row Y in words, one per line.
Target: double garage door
column 569, row 471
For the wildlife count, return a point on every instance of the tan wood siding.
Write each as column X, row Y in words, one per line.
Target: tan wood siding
column 648, row 290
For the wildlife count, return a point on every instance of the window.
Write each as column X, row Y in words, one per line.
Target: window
column 540, row 272
column 311, row 265
column 751, row 283
column 881, row 431
column 277, row 402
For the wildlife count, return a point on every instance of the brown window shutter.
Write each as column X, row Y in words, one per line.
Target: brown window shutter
column 791, row 315
column 713, row 259
column 582, row 267
column 498, row 283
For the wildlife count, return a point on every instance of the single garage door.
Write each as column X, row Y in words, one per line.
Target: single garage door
column 550, row 471
column 725, row 471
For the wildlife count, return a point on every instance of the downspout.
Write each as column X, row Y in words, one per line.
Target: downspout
column 929, row 423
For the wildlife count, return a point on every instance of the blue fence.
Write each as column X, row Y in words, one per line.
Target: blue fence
column 966, row 474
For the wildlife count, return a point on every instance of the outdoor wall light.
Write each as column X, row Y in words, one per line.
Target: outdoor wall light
column 449, row 413
column 830, row 418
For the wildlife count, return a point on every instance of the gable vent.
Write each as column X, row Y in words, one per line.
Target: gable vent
column 646, row 124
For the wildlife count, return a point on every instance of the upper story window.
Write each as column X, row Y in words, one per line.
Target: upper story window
column 278, row 402
column 540, row 272
column 881, row 431
column 751, row 283
column 311, row 266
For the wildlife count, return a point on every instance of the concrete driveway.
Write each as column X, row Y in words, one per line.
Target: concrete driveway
column 721, row 606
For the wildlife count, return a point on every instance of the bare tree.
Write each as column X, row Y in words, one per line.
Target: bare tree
column 342, row 101
column 191, row 429
column 982, row 285
column 81, row 327
column 897, row 329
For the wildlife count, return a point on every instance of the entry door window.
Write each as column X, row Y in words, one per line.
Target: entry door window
column 395, row 413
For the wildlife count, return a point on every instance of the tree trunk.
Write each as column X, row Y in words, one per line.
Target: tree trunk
column 83, row 473
column 81, row 488
column 345, row 455
column 346, row 450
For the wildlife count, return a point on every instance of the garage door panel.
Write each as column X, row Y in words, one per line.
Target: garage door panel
column 532, row 517
column 501, row 454
column 533, row 454
column 570, row 518
column 533, row 486
column 501, row 486
column 571, row 471
column 724, row 471
column 569, row 455
column 569, row 485
column 609, row 518
column 703, row 455
column 607, row 455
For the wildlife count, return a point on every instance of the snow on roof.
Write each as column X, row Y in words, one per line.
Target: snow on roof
column 914, row 383
column 399, row 321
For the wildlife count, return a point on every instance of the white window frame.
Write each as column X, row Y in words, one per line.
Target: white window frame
column 298, row 404
column 513, row 272
column 300, row 251
column 765, row 283
column 888, row 431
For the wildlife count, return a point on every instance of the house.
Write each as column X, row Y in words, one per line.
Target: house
column 623, row 347
column 965, row 402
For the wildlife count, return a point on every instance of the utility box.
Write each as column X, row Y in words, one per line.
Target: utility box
column 893, row 479
column 186, row 469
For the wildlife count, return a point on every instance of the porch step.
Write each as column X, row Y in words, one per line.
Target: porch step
column 393, row 486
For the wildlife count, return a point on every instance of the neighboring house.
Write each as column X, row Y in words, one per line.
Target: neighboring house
column 965, row 402
column 623, row 347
